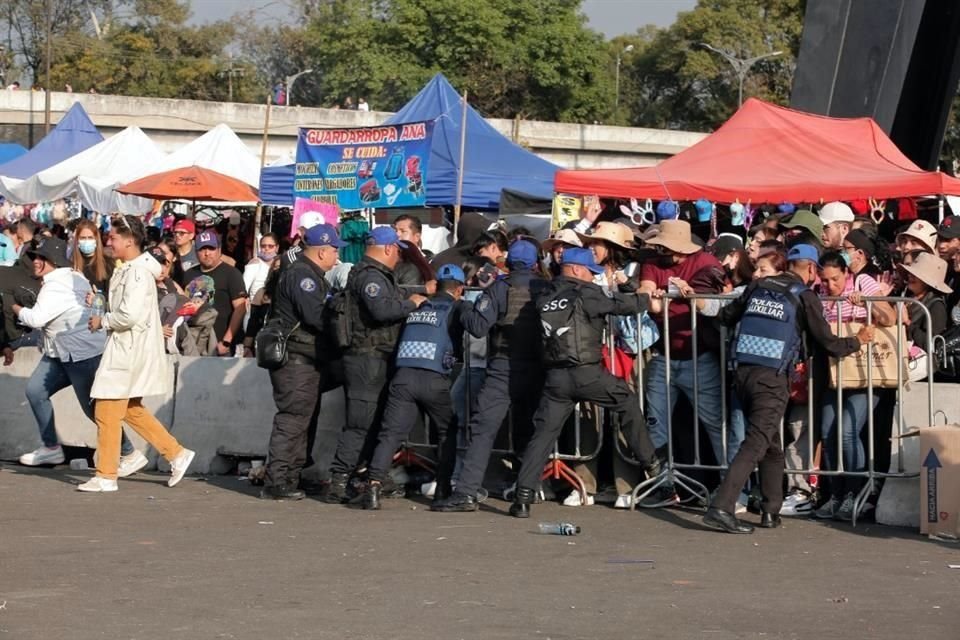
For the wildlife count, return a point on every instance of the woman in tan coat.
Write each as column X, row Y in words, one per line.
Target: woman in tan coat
column 134, row 363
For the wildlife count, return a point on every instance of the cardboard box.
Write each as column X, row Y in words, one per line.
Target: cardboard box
column 940, row 481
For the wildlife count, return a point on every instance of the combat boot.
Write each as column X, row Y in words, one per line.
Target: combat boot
column 521, row 503
column 337, row 489
column 371, row 497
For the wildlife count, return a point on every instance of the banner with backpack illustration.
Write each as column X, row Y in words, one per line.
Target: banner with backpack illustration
column 383, row 166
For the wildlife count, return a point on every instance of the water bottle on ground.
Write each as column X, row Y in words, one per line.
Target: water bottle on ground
column 559, row 528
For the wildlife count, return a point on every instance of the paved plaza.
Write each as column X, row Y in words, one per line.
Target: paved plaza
column 209, row 560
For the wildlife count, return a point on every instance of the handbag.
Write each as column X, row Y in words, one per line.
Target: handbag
column 271, row 344
column 885, row 361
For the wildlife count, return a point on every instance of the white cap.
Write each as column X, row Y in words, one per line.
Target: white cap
column 310, row 219
column 836, row 212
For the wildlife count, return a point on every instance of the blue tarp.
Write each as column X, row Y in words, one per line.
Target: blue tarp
column 10, row 150
column 74, row 133
column 491, row 161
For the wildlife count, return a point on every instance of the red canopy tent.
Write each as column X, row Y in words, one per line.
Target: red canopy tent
column 767, row 153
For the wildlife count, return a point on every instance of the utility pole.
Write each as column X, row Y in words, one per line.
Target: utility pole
column 230, row 72
column 616, row 101
column 741, row 66
column 46, row 92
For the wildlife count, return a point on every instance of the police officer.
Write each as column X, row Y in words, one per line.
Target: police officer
column 773, row 313
column 430, row 344
column 507, row 312
column 573, row 315
column 300, row 302
column 377, row 310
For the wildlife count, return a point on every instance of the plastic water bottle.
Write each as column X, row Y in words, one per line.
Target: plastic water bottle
column 96, row 307
column 559, row 528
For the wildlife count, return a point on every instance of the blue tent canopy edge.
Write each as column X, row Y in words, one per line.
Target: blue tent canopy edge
column 74, row 133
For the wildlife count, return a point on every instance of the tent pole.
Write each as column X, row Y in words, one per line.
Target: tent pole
column 940, row 209
column 463, row 143
column 263, row 158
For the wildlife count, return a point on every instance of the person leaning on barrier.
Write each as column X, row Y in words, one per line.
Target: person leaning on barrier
column 430, row 344
column 300, row 305
column 376, row 308
column 573, row 315
column 772, row 314
column 507, row 312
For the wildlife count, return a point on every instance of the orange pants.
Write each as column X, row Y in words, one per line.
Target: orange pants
column 109, row 414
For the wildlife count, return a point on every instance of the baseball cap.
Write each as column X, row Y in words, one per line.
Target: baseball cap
column 725, row 244
column 583, row 257
column 53, row 250
column 949, row 228
column 836, row 212
column 157, row 254
column 310, row 219
column 185, row 225
column 522, row 252
column 803, row 252
column 451, row 272
column 383, row 236
column 805, row 219
column 209, row 239
column 323, row 235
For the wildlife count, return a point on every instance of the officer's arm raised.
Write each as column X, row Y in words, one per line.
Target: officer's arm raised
column 383, row 300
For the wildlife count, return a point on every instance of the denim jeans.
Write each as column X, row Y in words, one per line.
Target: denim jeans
column 854, row 416
column 736, row 428
column 53, row 375
column 709, row 387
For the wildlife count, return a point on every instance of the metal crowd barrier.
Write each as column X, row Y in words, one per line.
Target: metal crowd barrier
column 673, row 470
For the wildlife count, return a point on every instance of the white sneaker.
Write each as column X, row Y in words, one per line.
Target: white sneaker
column 43, row 455
column 428, row 489
column 623, row 501
column 743, row 502
column 178, row 466
column 798, row 503
column 96, row 484
column 131, row 463
column 573, row 500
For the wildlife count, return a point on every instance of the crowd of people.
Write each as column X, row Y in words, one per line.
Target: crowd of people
column 502, row 324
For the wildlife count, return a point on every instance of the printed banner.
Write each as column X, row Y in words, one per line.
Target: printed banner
column 566, row 208
column 380, row 167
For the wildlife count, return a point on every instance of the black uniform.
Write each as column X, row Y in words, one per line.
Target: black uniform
column 575, row 373
column 301, row 297
column 763, row 393
column 507, row 311
column 427, row 351
column 377, row 309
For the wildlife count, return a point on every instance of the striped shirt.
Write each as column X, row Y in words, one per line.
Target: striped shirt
column 863, row 283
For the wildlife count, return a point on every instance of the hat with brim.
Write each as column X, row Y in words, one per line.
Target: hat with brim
column 923, row 232
column 613, row 232
column 560, row 237
column 930, row 270
column 805, row 219
column 582, row 257
column 53, row 250
column 675, row 235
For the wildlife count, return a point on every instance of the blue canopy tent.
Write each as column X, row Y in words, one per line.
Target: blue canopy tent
column 491, row 161
column 74, row 133
column 10, row 150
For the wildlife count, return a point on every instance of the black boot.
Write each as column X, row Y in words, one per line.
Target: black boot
column 371, row 497
column 521, row 503
column 456, row 502
column 281, row 492
column 337, row 489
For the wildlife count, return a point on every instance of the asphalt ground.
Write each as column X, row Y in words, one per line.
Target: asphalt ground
column 209, row 560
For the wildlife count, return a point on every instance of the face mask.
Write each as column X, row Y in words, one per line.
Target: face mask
column 665, row 262
column 267, row 256
column 846, row 257
column 87, row 247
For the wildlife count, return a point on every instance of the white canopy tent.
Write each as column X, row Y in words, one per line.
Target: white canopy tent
column 92, row 174
column 218, row 150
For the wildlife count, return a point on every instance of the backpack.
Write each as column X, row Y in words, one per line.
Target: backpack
column 567, row 340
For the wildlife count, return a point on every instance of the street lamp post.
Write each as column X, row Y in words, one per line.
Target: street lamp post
column 741, row 66
column 616, row 100
column 292, row 79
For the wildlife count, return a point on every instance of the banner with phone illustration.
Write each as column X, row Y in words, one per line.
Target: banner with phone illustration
column 384, row 166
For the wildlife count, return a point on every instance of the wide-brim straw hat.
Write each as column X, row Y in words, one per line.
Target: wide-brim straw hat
column 613, row 232
column 562, row 236
column 930, row 270
column 676, row 236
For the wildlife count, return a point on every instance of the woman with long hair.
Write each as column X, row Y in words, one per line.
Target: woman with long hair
column 134, row 364
column 89, row 258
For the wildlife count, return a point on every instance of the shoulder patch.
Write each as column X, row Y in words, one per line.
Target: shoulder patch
column 372, row 290
column 483, row 304
column 308, row 285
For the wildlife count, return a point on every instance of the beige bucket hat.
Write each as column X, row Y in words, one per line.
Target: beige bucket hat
column 613, row 232
column 676, row 236
column 561, row 236
column 922, row 231
column 930, row 270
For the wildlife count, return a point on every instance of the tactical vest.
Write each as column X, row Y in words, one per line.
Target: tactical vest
column 569, row 339
column 368, row 335
column 515, row 335
column 425, row 341
column 303, row 339
column 768, row 335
